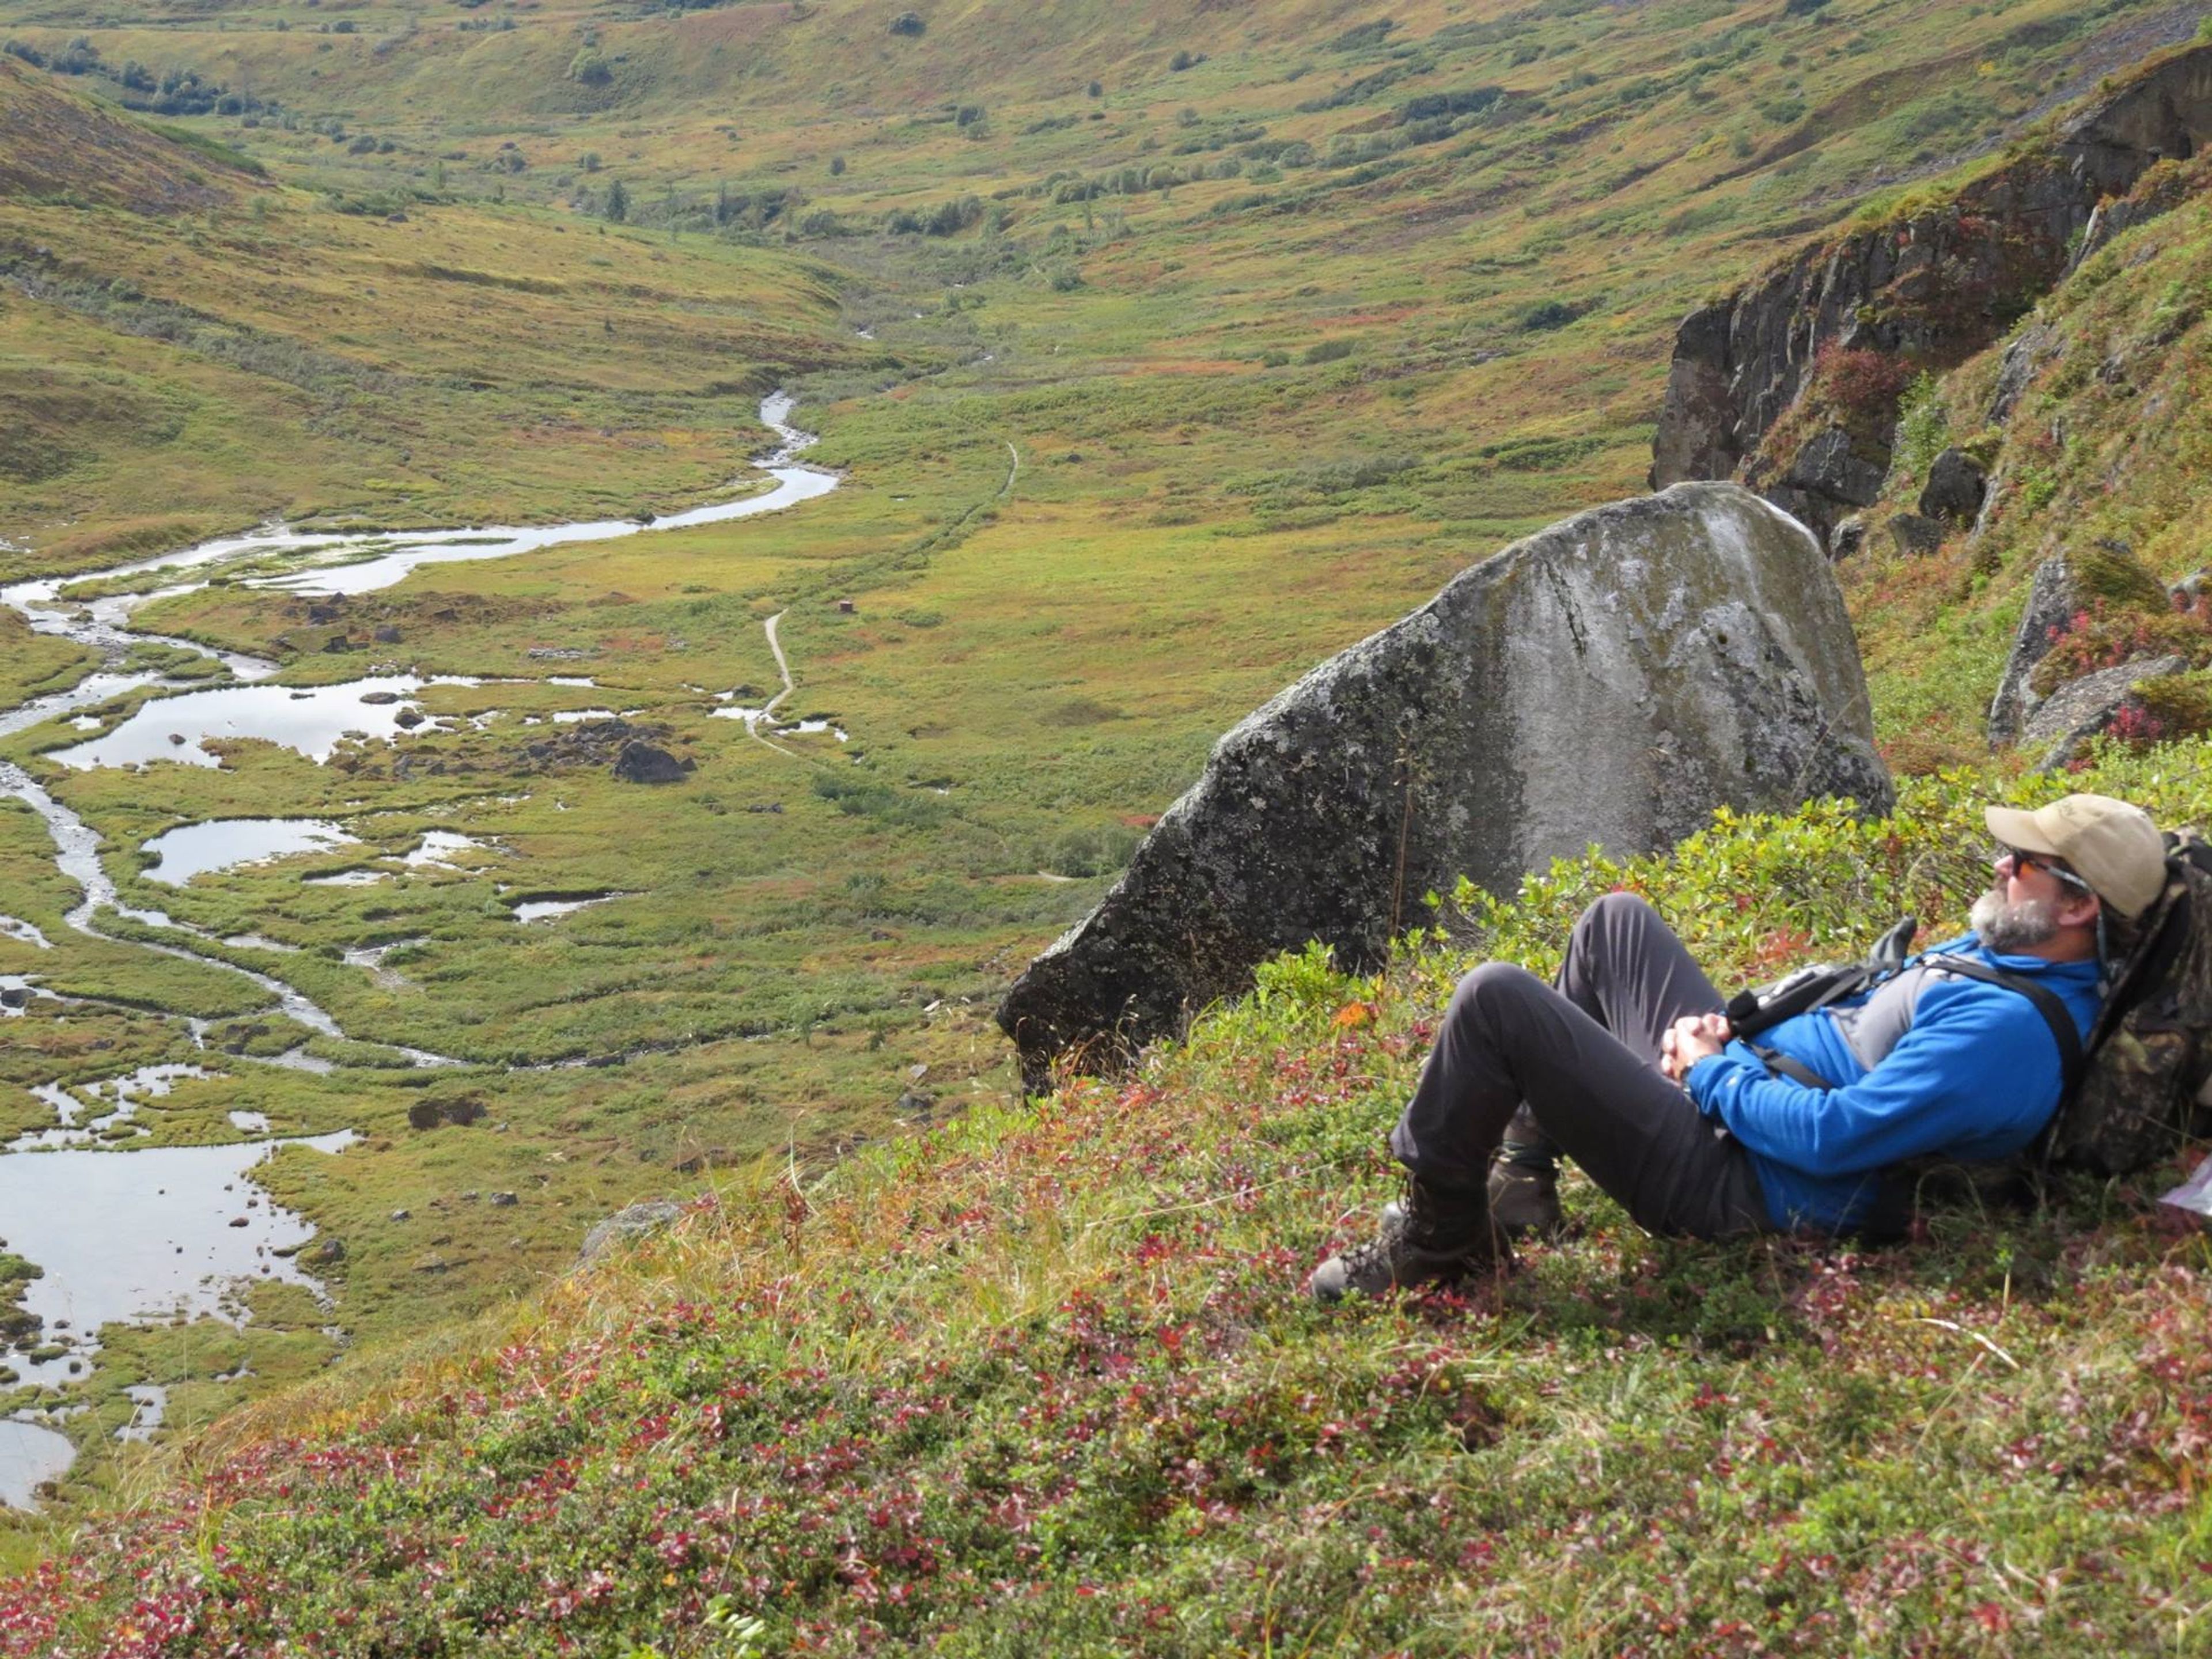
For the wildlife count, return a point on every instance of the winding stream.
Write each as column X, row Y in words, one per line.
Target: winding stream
column 77, row 1211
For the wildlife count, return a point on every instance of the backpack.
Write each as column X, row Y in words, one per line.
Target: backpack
column 2150, row 1050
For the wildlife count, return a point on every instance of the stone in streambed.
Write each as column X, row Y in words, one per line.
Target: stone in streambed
column 1611, row 679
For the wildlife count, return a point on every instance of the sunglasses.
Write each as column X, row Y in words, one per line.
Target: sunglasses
column 2055, row 868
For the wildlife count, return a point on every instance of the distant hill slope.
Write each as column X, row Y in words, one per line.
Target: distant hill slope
column 55, row 146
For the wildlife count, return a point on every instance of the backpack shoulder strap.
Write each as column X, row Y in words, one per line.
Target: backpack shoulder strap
column 2046, row 1000
column 2047, row 1003
column 1778, row 1064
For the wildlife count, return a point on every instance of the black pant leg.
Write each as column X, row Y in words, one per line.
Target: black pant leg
column 1627, row 971
column 1506, row 1038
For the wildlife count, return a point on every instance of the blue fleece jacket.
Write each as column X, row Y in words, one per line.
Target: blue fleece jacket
column 1975, row 1077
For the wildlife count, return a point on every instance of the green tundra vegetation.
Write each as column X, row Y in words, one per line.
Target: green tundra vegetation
column 1162, row 351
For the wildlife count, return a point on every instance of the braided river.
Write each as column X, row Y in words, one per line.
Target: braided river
column 130, row 1235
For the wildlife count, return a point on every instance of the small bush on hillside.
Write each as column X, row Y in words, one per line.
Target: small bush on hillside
column 1924, row 426
column 1362, row 34
column 837, row 167
column 1328, row 351
column 907, row 22
column 590, row 161
column 1180, row 61
column 1546, row 315
column 1802, row 8
column 589, row 69
column 1095, row 89
column 1089, row 851
column 862, row 797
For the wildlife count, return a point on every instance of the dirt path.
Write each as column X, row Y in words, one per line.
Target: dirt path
column 768, row 709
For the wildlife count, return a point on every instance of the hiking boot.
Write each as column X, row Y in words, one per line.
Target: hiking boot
column 1524, row 1195
column 1437, row 1235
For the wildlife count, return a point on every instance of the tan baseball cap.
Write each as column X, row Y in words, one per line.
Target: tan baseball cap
column 2112, row 846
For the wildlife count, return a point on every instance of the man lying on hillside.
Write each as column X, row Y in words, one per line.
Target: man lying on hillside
column 1628, row 1066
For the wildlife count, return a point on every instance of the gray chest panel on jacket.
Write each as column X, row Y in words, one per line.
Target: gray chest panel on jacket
column 1876, row 1025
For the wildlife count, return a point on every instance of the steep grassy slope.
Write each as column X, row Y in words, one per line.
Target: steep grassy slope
column 1039, row 1380
column 1152, row 411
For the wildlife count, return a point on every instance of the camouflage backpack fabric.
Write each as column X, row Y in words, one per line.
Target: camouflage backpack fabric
column 2151, row 1052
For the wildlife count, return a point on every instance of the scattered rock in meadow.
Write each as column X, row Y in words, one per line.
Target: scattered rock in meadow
column 642, row 763
column 432, row 1111
column 588, row 743
column 1846, row 538
column 504, row 1200
column 408, row 719
column 1612, row 679
column 2066, row 587
column 377, row 699
column 625, row 1225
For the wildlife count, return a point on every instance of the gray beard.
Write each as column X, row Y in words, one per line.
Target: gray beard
column 2010, row 928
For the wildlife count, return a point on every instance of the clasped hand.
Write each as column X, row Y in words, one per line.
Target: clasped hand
column 1689, row 1040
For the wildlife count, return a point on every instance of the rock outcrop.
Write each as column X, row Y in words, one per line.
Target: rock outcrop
column 2083, row 708
column 1938, row 284
column 2067, row 591
column 1957, row 485
column 1612, row 679
column 2051, row 601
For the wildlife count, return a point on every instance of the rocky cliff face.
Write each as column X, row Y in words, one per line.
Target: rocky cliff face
column 1611, row 679
column 1937, row 285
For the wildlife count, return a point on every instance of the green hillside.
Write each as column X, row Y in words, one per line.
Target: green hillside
column 1162, row 352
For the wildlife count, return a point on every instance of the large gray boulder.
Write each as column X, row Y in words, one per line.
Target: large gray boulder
column 1612, row 679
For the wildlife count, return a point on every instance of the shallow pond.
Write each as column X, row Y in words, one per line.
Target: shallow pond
column 129, row 1237
column 195, row 849
column 30, row 1454
column 313, row 720
column 544, row 909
